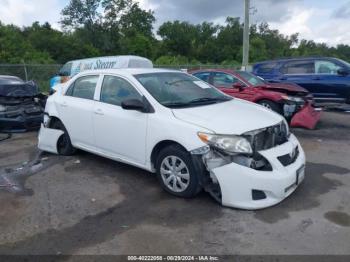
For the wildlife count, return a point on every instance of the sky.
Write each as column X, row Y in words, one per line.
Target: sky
column 319, row 20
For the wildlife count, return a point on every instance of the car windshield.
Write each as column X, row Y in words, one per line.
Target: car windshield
column 344, row 62
column 176, row 89
column 250, row 78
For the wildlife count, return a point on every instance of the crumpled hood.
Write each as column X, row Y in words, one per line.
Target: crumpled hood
column 233, row 117
column 288, row 87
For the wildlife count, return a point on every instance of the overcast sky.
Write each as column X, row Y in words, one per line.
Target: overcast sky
column 320, row 20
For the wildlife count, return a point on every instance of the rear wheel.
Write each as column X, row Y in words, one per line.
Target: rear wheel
column 272, row 106
column 176, row 172
column 64, row 145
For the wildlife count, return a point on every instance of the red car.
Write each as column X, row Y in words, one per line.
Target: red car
column 290, row 100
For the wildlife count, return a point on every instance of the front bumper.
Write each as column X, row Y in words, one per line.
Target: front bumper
column 307, row 117
column 237, row 182
column 21, row 123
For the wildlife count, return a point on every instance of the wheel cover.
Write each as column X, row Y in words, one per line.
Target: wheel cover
column 175, row 174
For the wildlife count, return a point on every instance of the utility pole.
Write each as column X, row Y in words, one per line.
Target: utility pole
column 245, row 60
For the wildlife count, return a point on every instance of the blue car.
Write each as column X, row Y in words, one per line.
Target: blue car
column 328, row 79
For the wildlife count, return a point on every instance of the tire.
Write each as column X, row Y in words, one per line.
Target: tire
column 64, row 145
column 182, row 182
column 272, row 106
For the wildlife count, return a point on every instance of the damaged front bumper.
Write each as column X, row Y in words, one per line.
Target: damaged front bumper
column 20, row 115
column 301, row 114
column 237, row 184
column 306, row 117
column 20, row 123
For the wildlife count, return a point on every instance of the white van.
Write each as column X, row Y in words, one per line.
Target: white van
column 72, row 68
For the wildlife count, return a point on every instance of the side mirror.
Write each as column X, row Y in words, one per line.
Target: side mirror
column 134, row 104
column 343, row 72
column 238, row 85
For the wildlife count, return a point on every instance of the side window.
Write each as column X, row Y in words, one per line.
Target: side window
column 298, row 67
column 115, row 90
column 203, row 76
column 326, row 67
column 266, row 68
column 224, row 80
column 83, row 87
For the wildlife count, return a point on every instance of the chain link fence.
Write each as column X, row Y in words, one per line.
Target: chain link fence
column 41, row 73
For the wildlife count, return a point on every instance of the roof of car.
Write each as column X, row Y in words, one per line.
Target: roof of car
column 293, row 59
column 131, row 71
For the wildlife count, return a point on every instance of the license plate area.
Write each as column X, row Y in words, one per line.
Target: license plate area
column 300, row 175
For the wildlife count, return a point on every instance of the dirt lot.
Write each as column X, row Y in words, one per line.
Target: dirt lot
column 89, row 205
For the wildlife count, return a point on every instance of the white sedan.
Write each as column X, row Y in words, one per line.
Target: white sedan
column 189, row 133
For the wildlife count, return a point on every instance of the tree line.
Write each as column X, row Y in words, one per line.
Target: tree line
column 117, row 27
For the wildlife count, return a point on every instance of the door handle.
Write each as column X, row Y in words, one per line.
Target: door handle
column 99, row 112
column 64, row 104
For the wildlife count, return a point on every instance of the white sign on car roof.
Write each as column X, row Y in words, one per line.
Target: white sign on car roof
column 110, row 62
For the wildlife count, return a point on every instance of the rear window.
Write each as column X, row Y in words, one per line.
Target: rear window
column 83, row 87
column 299, row 67
column 266, row 68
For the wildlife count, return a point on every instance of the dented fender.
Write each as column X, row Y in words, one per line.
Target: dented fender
column 47, row 139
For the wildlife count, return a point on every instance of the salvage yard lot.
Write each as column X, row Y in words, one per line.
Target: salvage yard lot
column 86, row 204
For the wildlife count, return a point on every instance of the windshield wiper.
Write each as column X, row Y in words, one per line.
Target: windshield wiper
column 209, row 99
column 179, row 81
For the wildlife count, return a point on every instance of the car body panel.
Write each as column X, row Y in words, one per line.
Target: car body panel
column 214, row 117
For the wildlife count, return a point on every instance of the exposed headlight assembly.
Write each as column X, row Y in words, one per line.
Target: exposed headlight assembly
column 293, row 99
column 2, row 108
column 231, row 144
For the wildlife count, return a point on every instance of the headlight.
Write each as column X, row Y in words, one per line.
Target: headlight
column 293, row 99
column 231, row 144
column 2, row 108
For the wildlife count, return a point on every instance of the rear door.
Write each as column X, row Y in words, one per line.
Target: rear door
column 76, row 109
column 301, row 72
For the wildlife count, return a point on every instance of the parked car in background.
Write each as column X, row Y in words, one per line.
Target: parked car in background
column 21, row 105
column 328, row 79
column 72, row 68
column 188, row 132
column 290, row 100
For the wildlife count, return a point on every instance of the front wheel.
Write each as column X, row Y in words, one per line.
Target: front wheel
column 272, row 106
column 176, row 172
column 64, row 145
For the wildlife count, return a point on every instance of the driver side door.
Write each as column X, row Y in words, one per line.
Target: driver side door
column 225, row 82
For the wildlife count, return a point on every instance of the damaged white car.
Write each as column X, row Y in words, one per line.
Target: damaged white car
column 189, row 133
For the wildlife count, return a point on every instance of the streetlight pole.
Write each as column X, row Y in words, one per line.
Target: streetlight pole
column 245, row 60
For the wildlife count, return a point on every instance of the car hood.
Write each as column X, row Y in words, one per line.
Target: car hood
column 288, row 88
column 233, row 117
